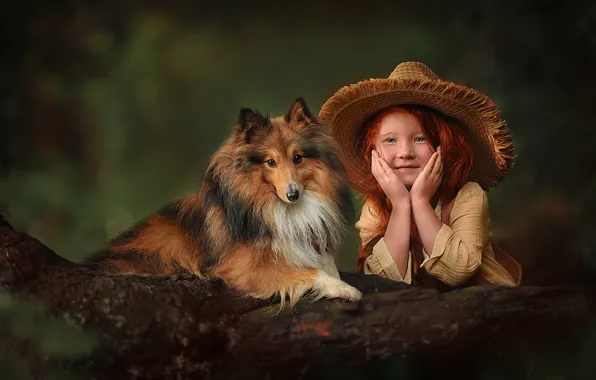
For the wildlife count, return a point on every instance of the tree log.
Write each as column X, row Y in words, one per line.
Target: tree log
column 183, row 327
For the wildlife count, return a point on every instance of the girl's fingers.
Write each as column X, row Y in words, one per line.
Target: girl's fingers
column 440, row 151
column 437, row 167
column 376, row 175
column 385, row 166
column 374, row 163
column 379, row 165
column 429, row 165
column 376, row 169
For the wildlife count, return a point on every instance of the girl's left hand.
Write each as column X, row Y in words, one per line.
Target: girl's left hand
column 429, row 179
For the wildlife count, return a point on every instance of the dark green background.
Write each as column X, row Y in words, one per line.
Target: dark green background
column 110, row 110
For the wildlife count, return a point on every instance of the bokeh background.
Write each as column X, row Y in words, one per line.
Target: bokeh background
column 110, row 109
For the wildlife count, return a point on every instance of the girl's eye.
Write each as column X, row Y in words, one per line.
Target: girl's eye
column 390, row 140
column 271, row 162
column 297, row 158
column 419, row 139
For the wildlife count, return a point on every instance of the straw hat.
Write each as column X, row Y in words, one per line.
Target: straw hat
column 414, row 83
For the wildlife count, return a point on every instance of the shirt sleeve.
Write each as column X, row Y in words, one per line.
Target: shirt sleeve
column 457, row 252
column 380, row 262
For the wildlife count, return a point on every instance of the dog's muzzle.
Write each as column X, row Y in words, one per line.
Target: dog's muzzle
column 292, row 193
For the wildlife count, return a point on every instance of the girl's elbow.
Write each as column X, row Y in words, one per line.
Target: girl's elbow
column 461, row 277
column 458, row 277
column 474, row 261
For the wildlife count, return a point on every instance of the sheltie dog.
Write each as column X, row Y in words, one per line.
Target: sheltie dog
column 268, row 218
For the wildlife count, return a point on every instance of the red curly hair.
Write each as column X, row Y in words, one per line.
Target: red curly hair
column 457, row 155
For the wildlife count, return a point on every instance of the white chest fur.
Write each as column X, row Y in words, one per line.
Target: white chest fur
column 298, row 225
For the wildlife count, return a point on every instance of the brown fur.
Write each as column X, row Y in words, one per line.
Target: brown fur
column 233, row 227
column 255, row 273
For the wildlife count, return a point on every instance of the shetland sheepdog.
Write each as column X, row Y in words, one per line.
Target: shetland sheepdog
column 269, row 215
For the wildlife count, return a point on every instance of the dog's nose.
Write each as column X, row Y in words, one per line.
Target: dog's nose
column 293, row 195
column 292, row 192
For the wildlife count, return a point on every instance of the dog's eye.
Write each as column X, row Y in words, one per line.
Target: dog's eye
column 297, row 158
column 271, row 162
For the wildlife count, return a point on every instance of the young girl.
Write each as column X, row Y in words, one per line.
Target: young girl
column 422, row 152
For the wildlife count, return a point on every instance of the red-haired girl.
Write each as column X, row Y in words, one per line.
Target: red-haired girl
column 422, row 152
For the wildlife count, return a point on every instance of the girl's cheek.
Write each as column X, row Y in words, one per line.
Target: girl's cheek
column 389, row 154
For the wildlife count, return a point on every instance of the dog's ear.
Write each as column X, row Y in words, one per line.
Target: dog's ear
column 298, row 113
column 250, row 121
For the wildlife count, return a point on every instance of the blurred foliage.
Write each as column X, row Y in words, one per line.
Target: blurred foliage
column 34, row 332
column 110, row 110
column 113, row 110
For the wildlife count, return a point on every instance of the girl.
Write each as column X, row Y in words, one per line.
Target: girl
column 422, row 152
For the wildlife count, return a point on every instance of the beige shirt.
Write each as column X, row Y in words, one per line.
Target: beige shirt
column 463, row 252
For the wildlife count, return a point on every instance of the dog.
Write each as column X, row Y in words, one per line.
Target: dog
column 270, row 213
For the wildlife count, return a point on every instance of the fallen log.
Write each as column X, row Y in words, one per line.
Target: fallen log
column 183, row 327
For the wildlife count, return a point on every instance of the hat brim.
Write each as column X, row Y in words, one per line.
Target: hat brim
column 351, row 106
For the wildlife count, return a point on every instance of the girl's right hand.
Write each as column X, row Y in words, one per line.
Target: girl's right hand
column 392, row 186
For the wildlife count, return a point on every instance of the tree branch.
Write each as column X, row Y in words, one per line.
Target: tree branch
column 183, row 327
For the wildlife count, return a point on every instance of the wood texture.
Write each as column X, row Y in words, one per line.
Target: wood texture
column 182, row 327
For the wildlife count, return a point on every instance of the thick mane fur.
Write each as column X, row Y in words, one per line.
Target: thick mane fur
column 297, row 228
column 255, row 218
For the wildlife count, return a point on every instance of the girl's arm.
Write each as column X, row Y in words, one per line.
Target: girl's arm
column 397, row 232
column 427, row 221
column 455, row 252
column 397, row 236
column 423, row 189
column 377, row 260
column 452, row 254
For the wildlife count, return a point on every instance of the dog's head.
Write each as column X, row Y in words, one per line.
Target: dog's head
column 292, row 153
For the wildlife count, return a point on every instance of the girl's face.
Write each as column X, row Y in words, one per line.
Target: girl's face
column 402, row 143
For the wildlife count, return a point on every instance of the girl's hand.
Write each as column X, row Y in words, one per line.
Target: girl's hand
column 392, row 186
column 429, row 179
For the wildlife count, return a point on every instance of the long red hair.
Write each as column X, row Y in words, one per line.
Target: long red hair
column 457, row 155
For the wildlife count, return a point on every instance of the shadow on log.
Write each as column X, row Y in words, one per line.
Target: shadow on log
column 181, row 327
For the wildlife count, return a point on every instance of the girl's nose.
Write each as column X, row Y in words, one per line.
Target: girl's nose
column 405, row 151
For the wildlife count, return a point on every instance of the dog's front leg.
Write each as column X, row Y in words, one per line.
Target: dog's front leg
column 328, row 265
column 258, row 275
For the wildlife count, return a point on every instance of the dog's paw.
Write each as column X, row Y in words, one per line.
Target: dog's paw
column 346, row 292
column 331, row 287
